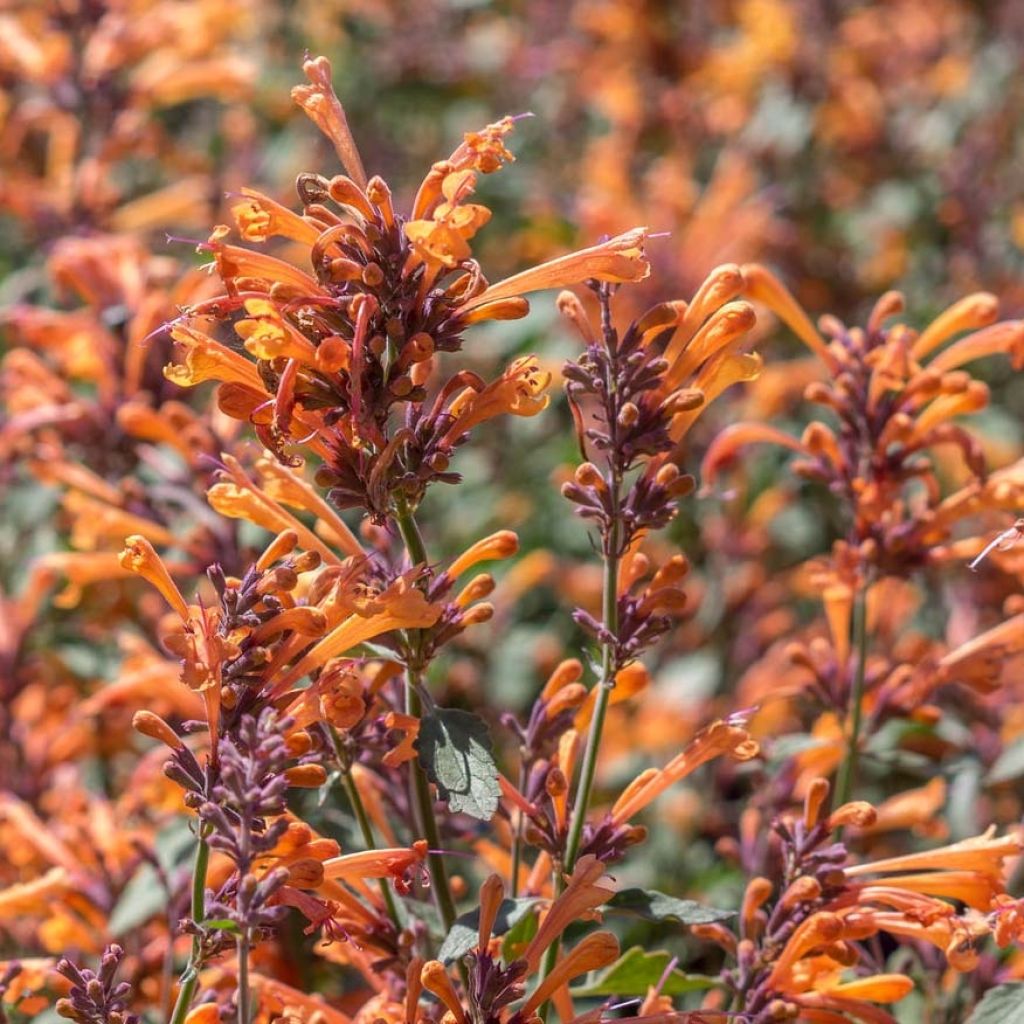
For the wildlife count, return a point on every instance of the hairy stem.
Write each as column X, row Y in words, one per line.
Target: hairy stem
column 847, row 778
column 190, row 976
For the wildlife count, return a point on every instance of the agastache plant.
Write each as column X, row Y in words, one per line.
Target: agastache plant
column 312, row 740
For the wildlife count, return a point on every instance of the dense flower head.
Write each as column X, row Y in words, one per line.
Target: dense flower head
column 347, row 351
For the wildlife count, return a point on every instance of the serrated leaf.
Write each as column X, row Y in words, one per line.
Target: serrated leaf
column 1009, row 764
column 657, row 906
column 142, row 898
column 1003, row 1004
column 463, row 935
column 455, row 749
column 634, row 973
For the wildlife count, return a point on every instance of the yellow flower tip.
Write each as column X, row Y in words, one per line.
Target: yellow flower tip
column 434, row 979
column 858, row 813
column 306, row 776
column 492, row 892
column 204, row 1013
column 568, row 671
column 801, row 890
column 207, row 359
column 140, row 557
column 500, row 545
column 485, row 150
column 881, row 988
column 150, row 724
column 477, row 589
column 725, row 448
column 568, row 698
column 512, row 308
column 280, row 547
column 970, row 313
column 890, row 304
column 817, row 794
column 478, row 614
column 761, row 285
column 617, row 260
column 758, row 892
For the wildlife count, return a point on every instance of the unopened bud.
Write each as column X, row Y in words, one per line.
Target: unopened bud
column 152, row 725
column 306, row 776
column 588, row 475
column 628, row 414
column 372, row 275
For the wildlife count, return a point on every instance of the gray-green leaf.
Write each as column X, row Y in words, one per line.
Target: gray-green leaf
column 636, row 970
column 657, row 906
column 463, row 935
column 455, row 749
column 1009, row 764
column 142, row 898
column 1003, row 1004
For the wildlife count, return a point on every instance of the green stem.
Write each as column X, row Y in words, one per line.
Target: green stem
column 424, row 803
column 517, row 839
column 422, row 799
column 244, row 1015
column 607, row 683
column 847, row 778
column 411, row 536
column 366, row 829
column 190, row 976
column 610, row 603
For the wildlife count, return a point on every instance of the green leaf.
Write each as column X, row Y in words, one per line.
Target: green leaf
column 142, row 898
column 221, row 924
column 323, row 794
column 656, row 906
column 371, row 650
column 174, row 845
column 455, row 749
column 634, row 973
column 1003, row 1004
column 1009, row 764
column 463, row 935
column 520, row 935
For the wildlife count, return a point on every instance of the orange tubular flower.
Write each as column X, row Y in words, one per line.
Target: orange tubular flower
column 617, row 260
column 584, row 892
column 716, row 739
column 401, row 606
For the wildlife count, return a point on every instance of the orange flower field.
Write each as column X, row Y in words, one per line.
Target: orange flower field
column 511, row 512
